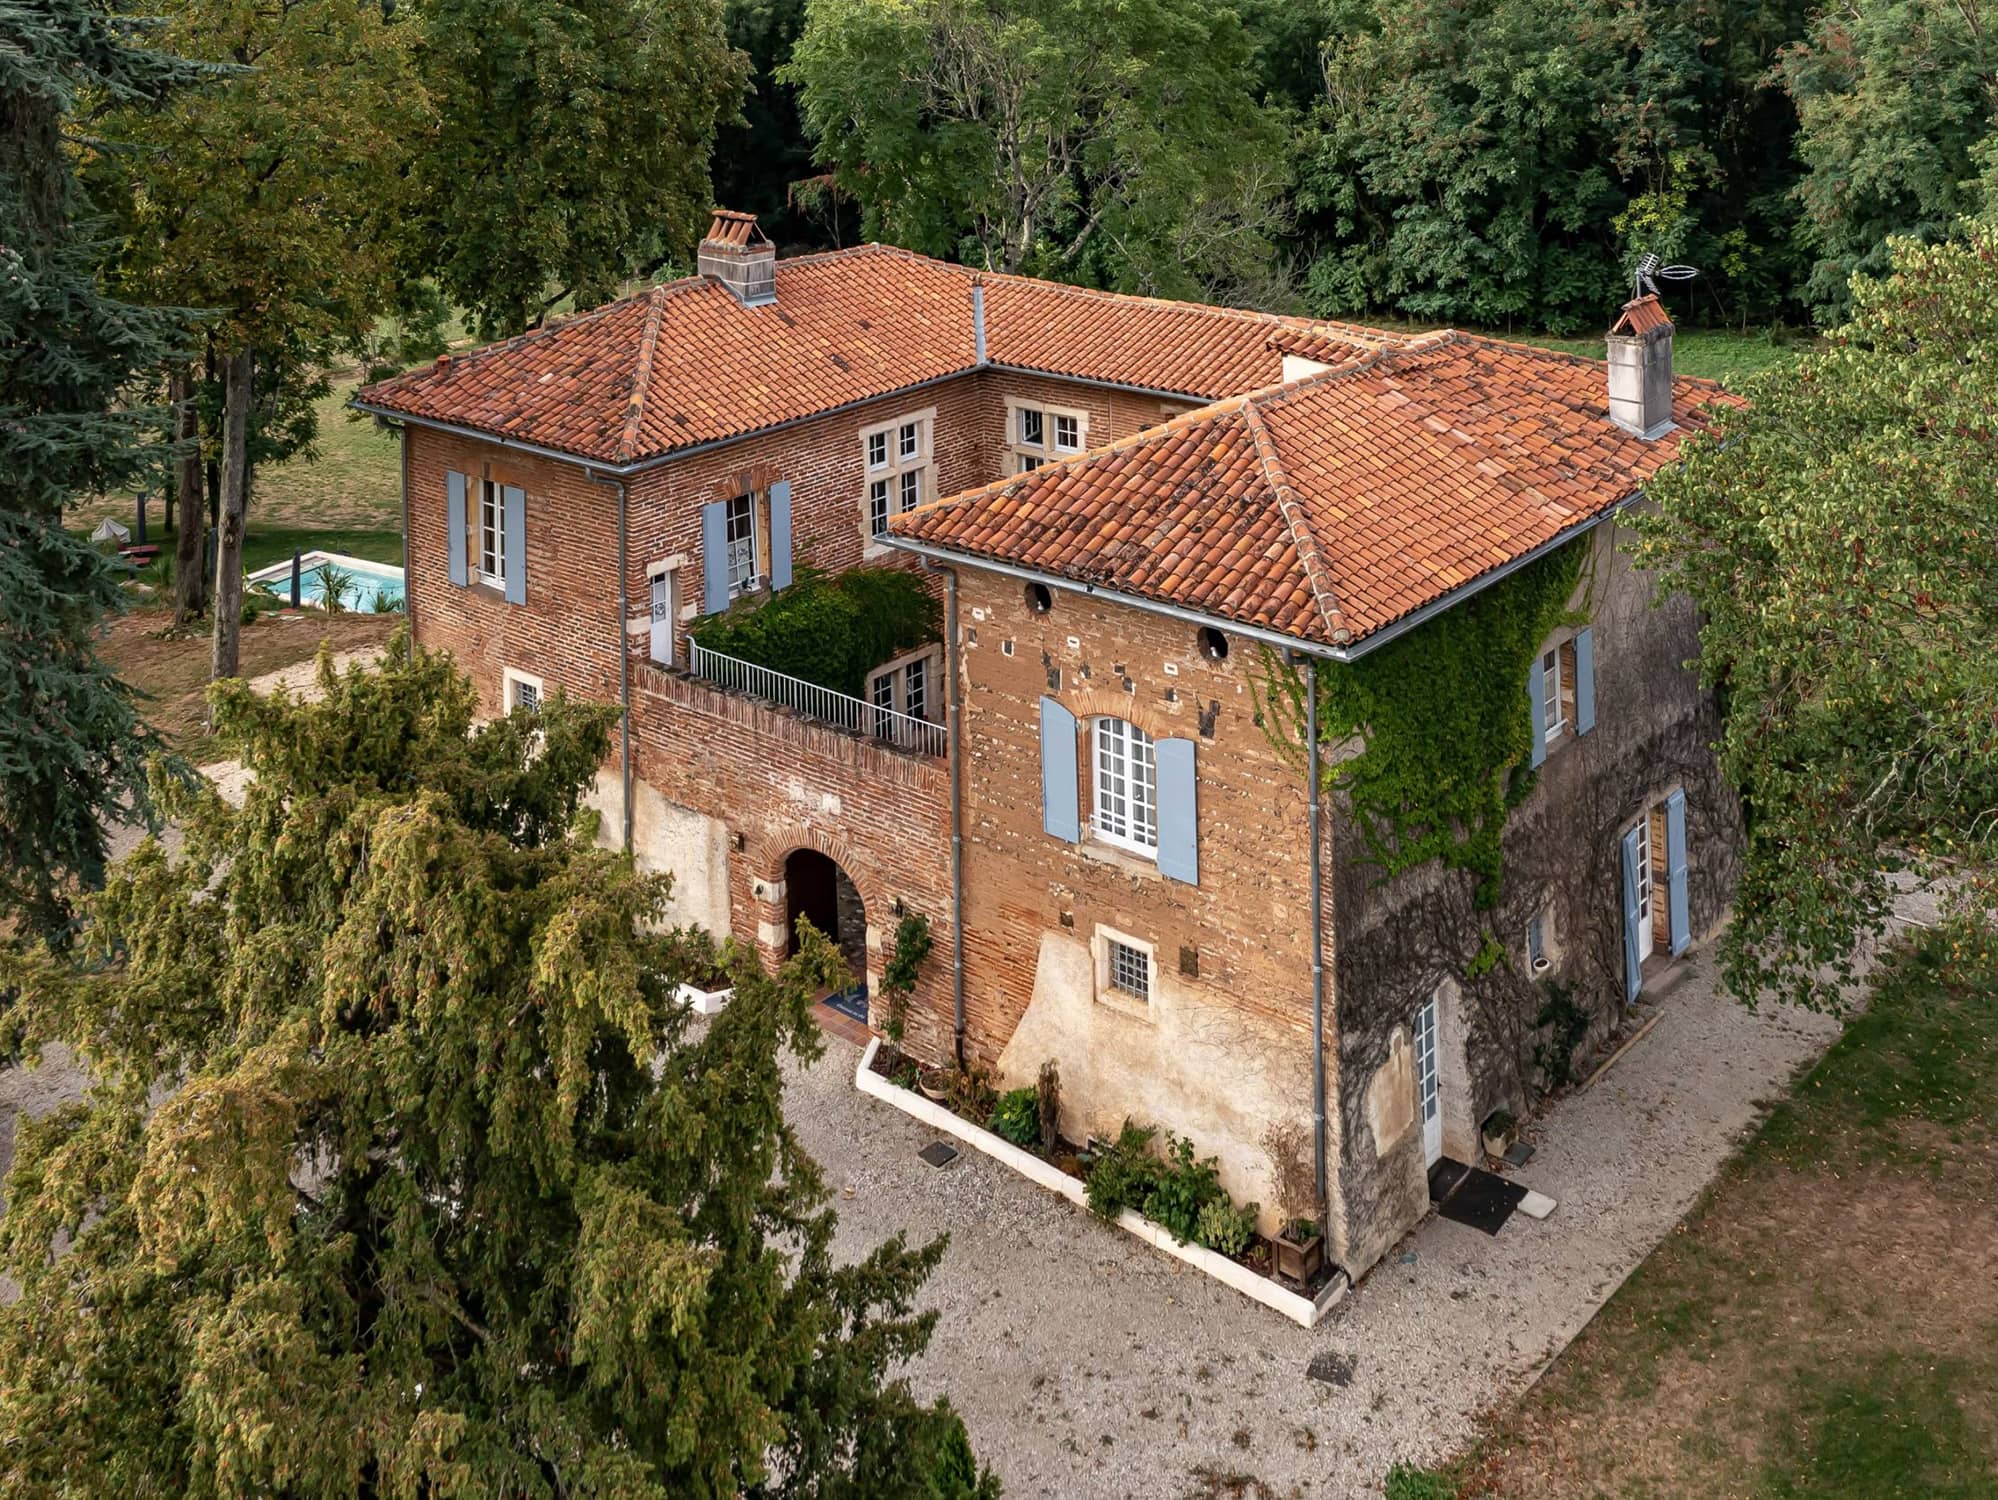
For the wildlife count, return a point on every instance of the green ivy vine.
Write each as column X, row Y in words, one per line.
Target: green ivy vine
column 1442, row 719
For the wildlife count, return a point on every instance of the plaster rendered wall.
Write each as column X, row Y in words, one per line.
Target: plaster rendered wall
column 1401, row 941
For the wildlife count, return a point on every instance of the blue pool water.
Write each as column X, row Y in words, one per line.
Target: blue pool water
column 361, row 582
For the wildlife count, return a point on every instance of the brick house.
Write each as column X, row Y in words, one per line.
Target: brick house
column 1136, row 512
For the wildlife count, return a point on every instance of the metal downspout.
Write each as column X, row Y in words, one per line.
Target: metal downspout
column 956, row 817
column 408, row 593
column 623, row 639
column 1317, row 946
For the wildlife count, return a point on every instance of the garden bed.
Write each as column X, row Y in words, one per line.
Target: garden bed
column 707, row 994
column 885, row 1074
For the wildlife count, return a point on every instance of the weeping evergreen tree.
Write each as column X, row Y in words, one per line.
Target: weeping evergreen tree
column 72, row 749
column 405, row 1175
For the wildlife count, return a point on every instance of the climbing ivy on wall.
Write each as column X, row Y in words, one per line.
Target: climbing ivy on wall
column 1443, row 721
column 829, row 630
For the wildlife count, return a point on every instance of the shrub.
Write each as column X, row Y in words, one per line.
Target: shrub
column 898, row 977
column 831, row 631
column 1124, row 1174
column 1224, row 1228
column 1017, row 1117
column 1184, row 1186
column 969, row 1093
column 1556, row 1056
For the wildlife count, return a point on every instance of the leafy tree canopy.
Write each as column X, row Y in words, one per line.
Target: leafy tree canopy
column 1897, row 101
column 1503, row 161
column 1121, row 148
column 404, row 1174
column 71, row 746
column 1840, row 536
column 571, row 149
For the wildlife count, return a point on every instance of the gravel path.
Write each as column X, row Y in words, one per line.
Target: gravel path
column 1086, row 1364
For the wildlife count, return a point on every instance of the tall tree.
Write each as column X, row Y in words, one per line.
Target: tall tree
column 761, row 157
column 270, row 201
column 405, row 1172
column 571, row 149
column 1839, row 537
column 71, row 745
column 1117, row 145
column 1897, row 103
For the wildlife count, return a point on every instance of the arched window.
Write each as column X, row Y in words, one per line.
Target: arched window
column 1126, row 805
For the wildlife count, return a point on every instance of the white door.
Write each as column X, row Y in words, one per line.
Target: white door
column 1644, row 888
column 1427, row 1091
column 662, row 618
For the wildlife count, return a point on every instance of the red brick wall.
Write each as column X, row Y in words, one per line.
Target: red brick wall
column 779, row 783
column 567, row 630
column 1247, row 920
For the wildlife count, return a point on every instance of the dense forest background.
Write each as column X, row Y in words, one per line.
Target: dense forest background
column 1497, row 163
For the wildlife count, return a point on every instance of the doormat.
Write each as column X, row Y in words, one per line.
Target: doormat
column 1482, row 1200
column 851, row 1003
column 1445, row 1178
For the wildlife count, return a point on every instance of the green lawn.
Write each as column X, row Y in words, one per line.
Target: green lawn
column 1822, row 1324
column 1707, row 354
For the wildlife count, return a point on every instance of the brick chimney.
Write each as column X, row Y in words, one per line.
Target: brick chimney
column 738, row 255
column 1640, row 368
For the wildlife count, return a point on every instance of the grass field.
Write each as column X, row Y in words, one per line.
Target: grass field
column 1727, row 357
column 1822, row 1325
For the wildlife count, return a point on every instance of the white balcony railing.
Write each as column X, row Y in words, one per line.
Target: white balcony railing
column 841, row 711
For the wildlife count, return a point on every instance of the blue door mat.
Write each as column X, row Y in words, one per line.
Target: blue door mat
column 851, row 1003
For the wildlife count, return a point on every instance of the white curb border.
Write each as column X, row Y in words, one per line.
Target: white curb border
column 704, row 1002
column 1305, row 1311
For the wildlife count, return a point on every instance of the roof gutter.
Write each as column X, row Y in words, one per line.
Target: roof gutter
column 1275, row 639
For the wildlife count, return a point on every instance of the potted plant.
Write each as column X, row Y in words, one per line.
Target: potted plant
column 1501, row 1129
column 934, row 1084
column 1299, row 1245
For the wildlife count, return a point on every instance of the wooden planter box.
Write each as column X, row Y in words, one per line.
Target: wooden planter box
column 1299, row 1261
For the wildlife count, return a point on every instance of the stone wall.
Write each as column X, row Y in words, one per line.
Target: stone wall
column 1402, row 941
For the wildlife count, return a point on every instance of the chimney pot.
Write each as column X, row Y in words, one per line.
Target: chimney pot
column 736, row 253
column 1640, row 368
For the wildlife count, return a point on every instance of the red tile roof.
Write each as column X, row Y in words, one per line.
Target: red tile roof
column 1642, row 315
column 1327, row 509
column 685, row 363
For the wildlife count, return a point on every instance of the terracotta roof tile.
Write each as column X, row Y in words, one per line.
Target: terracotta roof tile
column 1331, row 507
column 685, row 363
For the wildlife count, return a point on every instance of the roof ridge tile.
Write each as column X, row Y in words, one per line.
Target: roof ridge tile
column 1309, row 557
column 641, row 376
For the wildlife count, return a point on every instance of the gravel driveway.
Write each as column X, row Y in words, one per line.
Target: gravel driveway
column 1087, row 1364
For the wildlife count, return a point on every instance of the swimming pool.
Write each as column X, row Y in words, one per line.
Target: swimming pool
column 361, row 583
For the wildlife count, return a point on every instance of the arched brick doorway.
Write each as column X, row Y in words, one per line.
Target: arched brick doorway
column 817, row 890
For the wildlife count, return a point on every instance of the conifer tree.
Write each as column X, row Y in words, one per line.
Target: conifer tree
column 72, row 748
column 405, row 1174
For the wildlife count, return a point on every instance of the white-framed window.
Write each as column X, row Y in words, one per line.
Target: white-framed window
column 899, row 469
column 1036, row 434
column 1555, row 715
column 522, row 691
column 740, row 535
column 492, row 532
column 1125, row 807
column 1126, row 971
column 1645, row 884
column 903, row 685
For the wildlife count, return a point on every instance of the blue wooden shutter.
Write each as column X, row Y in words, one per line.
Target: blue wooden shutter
column 513, row 516
column 1179, row 812
column 714, row 555
column 1536, row 693
column 1633, row 971
column 1060, row 815
column 454, row 525
column 1675, row 873
column 1585, row 681
column 780, row 534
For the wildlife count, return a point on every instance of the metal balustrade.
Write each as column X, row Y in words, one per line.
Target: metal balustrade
column 839, row 710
